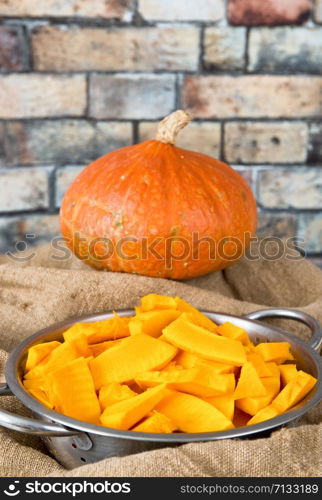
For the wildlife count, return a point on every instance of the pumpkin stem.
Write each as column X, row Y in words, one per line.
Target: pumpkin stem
column 171, row 125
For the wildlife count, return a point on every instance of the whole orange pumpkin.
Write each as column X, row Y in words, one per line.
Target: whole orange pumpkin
column 159, row 210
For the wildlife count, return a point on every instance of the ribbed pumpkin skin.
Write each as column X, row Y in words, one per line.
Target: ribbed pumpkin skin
column 157, row 190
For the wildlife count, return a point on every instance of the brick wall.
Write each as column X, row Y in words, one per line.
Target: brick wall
column 81, row 78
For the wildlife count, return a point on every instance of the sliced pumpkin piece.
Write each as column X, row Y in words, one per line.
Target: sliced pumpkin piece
column 274, row 351
column 82, row 403
column 125, row 414
column 162, row 337
column 97, row 349
column 38, row 371
column 192, row 414
column 249, row 384
column 253, row 405
column 154, row 378
column 220, row 368
column 294, row 391
column 288, row 372
column 59, row 357
column 250, row 347
column 135, row 387
column 197, row 340
column 113, row 393
column 34, row 383
column 135, row 354
column 100, row 331
column 273, row 368
column 157, row 422
column 234, row 332
column 197, row 381
column 264, row 414
column 110, row 329
column 77, row 329
column 240, row 418
column 41, row 396
column 88, row 359
column 37, row 353
column 153, row 301
column 259, row 364
column 225, row 404
column 188, row 360
column 80, row 342
column 152, row 322
column 197, row 317
column 172, row 366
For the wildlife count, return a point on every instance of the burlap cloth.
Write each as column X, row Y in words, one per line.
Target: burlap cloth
column 43, row 291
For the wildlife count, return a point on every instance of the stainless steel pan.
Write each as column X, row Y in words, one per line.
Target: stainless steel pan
column 73, row 442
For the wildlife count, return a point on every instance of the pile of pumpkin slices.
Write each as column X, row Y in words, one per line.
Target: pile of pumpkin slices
column 166, row 369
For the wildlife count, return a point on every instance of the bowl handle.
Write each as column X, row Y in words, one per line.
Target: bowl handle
column 30, row 425
column 279, row 312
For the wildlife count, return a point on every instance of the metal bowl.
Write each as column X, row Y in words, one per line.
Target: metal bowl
column 73, row 442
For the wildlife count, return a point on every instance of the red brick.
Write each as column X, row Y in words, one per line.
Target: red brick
column 32, row 229
column 315, row 143
column 124, row 49
column 120, row 9
column 131, row 96
column 24, row 189
column 261, row 142
column 52, row 142
column 253, row 96
column 285, row 50
column 64, row 177
column 224, row 48
column 318, row 11
column 268, row 12
column 276, row 224
column 31, row 95
column 182, row 10
column 297, row 187
column 204, row 137
column 12, row 45
column 309, row 232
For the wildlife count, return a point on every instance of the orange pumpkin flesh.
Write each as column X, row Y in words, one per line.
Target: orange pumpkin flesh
column 159, row 210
